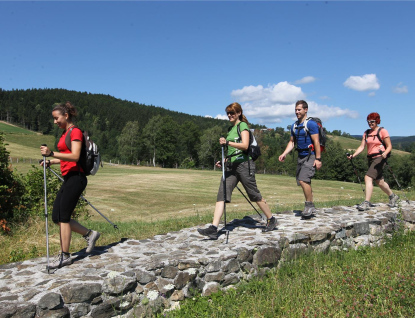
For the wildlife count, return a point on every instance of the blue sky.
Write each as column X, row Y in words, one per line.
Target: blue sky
column 346, row 59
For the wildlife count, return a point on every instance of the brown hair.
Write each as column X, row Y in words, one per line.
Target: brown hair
column 302, row 102
column 236, row 107
column 66, row 108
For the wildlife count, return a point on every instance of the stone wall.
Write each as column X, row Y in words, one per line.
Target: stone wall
column 134, row 278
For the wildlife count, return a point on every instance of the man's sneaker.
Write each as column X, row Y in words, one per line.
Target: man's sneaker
column 61, row 260
column 91, row 239
column 309, row 209
column 393, row 199
column 211, row 232
column 271, row 224
column 365, row 205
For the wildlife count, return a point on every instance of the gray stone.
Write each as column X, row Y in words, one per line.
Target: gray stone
column 216, row 276
column 50, row 301
column 210, row 288
column 408, row 216
column 230, row 279
column 182, row 279
column 119, row 284
column 80, row 293
column 169, row 272
column 214, row 266
column 294, row 251
column 9, row 310
column 361, row 228
column 80, row 310
column 144, row 277
column 231, row 266
column 107, row 309
column 243, row 255
column 267, row 256
column 58, row 313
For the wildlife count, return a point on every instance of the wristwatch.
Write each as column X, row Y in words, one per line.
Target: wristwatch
column 319, row 159
column 51, row 154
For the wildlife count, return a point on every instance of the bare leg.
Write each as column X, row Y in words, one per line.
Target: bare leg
column 308, row 192
column 66, row 233
column 219, row 208
column 265, row 208
column 369, row 188
column 65, row 236
column 384, row 186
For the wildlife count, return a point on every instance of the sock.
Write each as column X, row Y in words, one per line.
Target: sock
column 87, row 233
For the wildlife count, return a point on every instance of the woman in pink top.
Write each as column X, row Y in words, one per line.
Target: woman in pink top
column 379, row 147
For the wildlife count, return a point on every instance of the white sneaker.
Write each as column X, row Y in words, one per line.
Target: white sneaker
column 60, row 261
column 91, row 240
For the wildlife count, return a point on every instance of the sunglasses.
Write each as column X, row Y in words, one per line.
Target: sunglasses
column 230, row 113
column 371, row 121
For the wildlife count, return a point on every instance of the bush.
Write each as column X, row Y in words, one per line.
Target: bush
column 11, row 189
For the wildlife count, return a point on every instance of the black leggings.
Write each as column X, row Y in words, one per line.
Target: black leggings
column 68, row 195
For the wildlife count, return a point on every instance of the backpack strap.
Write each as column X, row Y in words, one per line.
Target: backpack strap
column 69, row 145
column 377, row 135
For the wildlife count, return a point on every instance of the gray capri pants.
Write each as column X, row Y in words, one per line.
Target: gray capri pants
column 239, row 172
column 305, row 169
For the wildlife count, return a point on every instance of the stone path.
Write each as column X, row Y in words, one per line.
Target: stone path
column 132, row 278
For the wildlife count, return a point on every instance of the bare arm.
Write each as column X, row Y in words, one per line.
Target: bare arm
column 360, row 148
column 290, row 147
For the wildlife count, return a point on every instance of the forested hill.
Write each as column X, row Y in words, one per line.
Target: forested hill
column 105, row 118
column 31, row 109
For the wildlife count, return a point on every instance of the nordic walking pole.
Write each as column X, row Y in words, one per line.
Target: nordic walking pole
column 355, row 172
column 86, row 201
column 224, row 190
column 46, row 210
column 262, row 216
column 396, row 179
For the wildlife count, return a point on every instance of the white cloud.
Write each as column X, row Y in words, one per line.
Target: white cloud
column 306, row 80
column 283, row 93
column 208, row 116
column 324, row 97
column 400, row 89
column 371, row 94
column 219, row 116
column 273, row 104
column 362, row 83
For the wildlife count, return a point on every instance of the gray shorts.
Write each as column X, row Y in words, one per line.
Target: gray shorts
column 305, row 169
column 239, row 172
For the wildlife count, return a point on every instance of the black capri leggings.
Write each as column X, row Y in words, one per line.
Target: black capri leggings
column 68, row 195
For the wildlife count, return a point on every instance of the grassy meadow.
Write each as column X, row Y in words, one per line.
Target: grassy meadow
column 145, row 201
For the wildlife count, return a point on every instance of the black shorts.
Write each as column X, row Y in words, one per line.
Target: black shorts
column 68, row 195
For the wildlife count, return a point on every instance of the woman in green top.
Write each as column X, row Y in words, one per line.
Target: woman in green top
column 240, row 170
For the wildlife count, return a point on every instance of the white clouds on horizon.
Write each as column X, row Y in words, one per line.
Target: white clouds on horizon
column 306, row 80
column 273, row 104
column 366, row 82
column 400, row 89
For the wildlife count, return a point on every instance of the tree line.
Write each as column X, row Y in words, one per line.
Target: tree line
column 135, row 133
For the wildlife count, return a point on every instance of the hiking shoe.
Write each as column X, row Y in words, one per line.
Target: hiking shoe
column 91, row 239
column 393, row 199
column 61, row 260
column 309, row 209
column 271, row 224
column 211, row 232
column 365, row 205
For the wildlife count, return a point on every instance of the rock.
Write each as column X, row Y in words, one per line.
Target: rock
column 50, row 301
column 80, row 293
